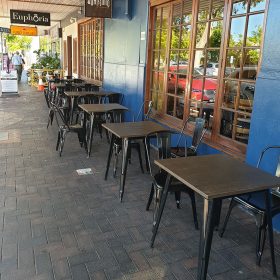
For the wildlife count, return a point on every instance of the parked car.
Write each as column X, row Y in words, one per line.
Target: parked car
column 212, row 69
column 210, row 85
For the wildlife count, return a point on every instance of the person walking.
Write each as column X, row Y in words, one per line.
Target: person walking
column 17, row 62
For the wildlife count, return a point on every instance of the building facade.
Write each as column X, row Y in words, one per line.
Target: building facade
column 217, row 59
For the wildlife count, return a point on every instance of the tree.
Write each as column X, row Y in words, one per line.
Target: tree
column 16, row 42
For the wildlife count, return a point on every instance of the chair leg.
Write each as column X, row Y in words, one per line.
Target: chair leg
column 231, row 206
column 50, row 119
column 261, row 224
column 137, row 147
column 178, row 199
column 62, row 140
column 150, row 197
column 195, row 221
column 58, row 140
column 116, row 153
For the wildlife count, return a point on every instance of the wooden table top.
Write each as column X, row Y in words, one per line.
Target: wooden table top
column 101, row 108
column 133, row 129
column 95, row 93
column 217, row 176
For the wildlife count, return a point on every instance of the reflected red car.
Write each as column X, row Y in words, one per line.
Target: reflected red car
column 210, row 85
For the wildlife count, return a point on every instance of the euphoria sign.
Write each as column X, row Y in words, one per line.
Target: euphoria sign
column 28, row 17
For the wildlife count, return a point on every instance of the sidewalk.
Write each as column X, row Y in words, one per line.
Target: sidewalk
column 58, row 225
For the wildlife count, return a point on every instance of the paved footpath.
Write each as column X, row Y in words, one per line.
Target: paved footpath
column 55, row 224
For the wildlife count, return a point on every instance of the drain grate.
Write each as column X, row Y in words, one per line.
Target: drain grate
column 4, row 135
column 85, row 171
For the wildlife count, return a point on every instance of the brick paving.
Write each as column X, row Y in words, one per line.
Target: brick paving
column 58, row 225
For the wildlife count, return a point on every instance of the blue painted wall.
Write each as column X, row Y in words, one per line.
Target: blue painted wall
column 125, row 52
column 265, row 123
column 125, row 63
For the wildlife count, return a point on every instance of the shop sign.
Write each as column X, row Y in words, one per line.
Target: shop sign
column 98, row 8
column 23, row 30
column 5, row 30
column 28, row 17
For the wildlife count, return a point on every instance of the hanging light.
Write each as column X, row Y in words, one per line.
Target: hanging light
column 99, row 3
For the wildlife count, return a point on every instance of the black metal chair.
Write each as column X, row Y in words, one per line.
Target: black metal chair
column 184, row 151
column 134, row 143
column 64, row 127
column 163, row 139
column 198, row 134
column 254, row 203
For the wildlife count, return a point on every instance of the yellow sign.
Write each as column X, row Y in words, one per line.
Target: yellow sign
column 23, row 30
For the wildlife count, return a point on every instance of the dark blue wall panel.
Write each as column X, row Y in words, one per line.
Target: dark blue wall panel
column 265, row 122
column 125, row 52
column 124, row 71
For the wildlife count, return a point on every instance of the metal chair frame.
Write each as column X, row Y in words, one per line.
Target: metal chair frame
column 159, row 178
column 258, row 212
column 65, row 128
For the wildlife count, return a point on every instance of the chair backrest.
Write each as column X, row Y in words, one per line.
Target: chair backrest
column 91, row 87
column 277, row 170
column 148, row 113
column 198, row 133
column 163, row 142
column 60, row 114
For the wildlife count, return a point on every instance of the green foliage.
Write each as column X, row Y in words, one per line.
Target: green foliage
column 16, row 43
column 46, row 61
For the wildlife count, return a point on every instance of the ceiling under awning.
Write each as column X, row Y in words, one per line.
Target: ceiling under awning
column 58, row 10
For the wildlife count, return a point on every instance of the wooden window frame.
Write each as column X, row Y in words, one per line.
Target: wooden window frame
column 91, row 50
column 214, row 139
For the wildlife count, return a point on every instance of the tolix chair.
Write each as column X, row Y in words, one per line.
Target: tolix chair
column 134, row 143
column 254, row 203
column 163, row 143
column 64, row 128
column 179, row 151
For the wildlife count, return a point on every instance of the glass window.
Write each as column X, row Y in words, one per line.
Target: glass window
column 91, row 51
column 205, row 54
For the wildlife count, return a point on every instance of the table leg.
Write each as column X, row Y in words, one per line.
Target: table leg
column 90, row 134
column 72, row 109
column 210, row 218
column 110, row 155
column 161, row 207
column 125, row 143
column 270, row 229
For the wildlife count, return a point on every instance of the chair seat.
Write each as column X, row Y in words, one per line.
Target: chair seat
column 180, row 152
column 257, row 200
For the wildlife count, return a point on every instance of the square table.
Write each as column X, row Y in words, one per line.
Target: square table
column 128, row 131
column 216, row 177
column 93, row 109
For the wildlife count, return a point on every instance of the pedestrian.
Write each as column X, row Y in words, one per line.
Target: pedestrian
column 17, row 62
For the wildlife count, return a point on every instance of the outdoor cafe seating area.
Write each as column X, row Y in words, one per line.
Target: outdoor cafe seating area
column 170, row 163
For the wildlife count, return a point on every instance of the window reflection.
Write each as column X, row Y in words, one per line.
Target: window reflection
column 237, row 31
column 170, row 105
column 230, row 93
column 233, row 60
column 257, row 5
column 175, row 37
column 201, row 35
column 215, row 35
column 185, row 37
column 203, row 12
column 217, row 9
column 179, row 108
column 176, row 17
column 239, row 7
column 251, row 60
column 254, row 33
